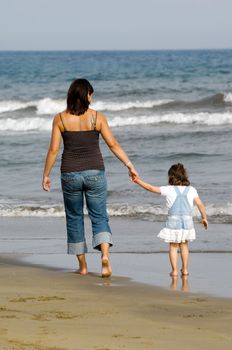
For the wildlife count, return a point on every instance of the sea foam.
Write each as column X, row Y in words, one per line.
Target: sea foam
column 10, row 106
column 26, row 124
column 49, row 106
column 215, row 212
column 202, row 118
column 45, row 124
column 228, row 97
column 52, row 106
column 120, row 106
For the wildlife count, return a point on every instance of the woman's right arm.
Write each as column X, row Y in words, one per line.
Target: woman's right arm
column 52, row 153
column 113, row 144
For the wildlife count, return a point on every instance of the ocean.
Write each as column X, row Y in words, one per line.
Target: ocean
column 163, row 107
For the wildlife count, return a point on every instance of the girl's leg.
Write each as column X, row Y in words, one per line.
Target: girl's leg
column 82, row 264
column 184, row 251
column 173, row 256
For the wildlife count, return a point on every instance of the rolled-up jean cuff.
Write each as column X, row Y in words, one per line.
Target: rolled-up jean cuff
column 102, row 237
column 77, row 248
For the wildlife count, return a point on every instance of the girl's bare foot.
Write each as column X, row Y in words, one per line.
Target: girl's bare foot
column 184, row 272
column 173, row 273
column 106, row 268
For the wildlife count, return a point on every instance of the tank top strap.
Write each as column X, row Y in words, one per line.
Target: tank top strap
column 62, row 122
column 94, row 121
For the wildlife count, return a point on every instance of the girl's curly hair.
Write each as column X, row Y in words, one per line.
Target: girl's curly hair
column 177, row 175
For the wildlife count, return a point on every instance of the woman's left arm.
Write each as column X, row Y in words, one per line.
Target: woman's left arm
column 52, row 153
column 114, row 146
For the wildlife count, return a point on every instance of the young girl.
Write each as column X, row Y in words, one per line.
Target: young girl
column 180, row 200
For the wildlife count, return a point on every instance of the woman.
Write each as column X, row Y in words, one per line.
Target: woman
column 82, row 172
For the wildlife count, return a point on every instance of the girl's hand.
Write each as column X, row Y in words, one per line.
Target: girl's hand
column 204, row 223
column 133, row 174
column 46, row 183
column 136, row 179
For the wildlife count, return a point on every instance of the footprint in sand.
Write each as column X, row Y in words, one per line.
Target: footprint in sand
column 7, row 313
column 3, row 331
column 30, row 346
column 48, row 316
column 192, row 316
column 40, row 298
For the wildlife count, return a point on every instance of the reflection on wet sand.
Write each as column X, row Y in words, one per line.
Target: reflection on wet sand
column 184, row 284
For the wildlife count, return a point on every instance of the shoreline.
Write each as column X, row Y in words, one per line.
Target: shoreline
column 136, row 254
column 150, row 270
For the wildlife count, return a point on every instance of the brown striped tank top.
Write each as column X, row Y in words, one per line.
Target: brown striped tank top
column 81, row 150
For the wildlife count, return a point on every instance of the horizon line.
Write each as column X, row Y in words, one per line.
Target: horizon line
column 113, row 50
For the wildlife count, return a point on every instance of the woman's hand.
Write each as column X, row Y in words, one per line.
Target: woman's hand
column 46, row 183
column 133, row 174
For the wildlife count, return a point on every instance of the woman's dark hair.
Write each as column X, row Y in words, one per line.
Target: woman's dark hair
column 77, row 97
column 177, row 175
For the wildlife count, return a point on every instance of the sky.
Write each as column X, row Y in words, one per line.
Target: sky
column 115, row 24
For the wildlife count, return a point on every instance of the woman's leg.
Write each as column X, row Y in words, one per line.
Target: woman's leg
column 72, row 184
column 184, row 252
column 173, row 256
column 96, row 193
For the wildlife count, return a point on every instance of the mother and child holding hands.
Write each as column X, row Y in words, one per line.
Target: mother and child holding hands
column 83, row 175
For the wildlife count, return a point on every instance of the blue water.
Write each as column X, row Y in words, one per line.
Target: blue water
column 163, row 106
column 116, row 74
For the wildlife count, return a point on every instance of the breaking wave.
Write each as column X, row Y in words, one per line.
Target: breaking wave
column 217, row 213
column 51, row 106
column 45, row 124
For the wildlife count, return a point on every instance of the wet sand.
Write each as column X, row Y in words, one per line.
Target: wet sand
column 43, row 309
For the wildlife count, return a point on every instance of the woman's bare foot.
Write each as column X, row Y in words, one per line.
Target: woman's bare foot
column 82, row 265
column 106, row 268
column 82, row 271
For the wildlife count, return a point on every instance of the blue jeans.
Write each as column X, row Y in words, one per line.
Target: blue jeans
column 92, row 185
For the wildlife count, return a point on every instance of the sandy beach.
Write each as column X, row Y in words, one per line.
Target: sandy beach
column 50, row 309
